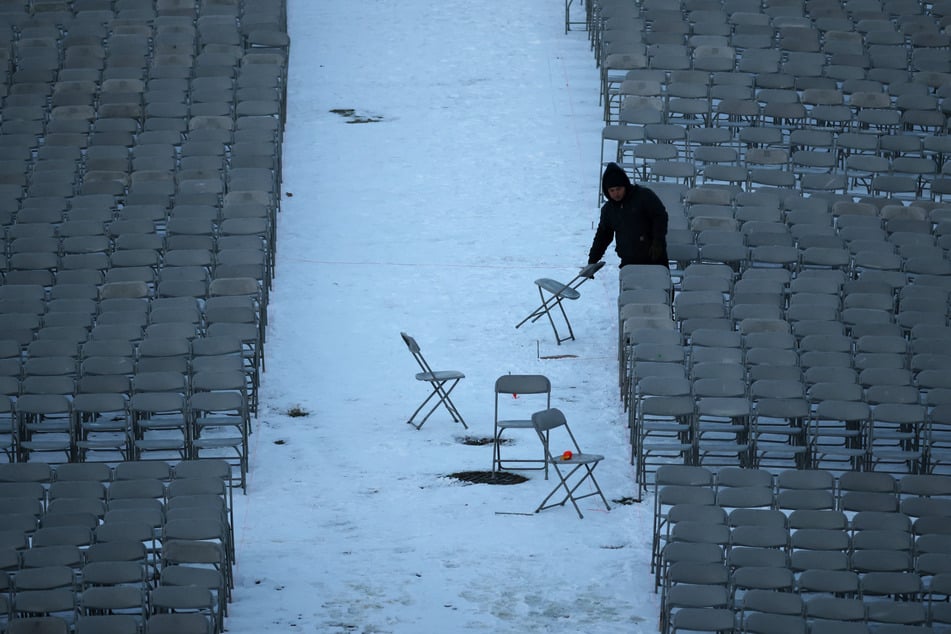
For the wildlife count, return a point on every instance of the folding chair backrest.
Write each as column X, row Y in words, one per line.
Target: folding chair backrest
column 546, row 420
column 522, row 384
column 414, row 349
column 514, row 385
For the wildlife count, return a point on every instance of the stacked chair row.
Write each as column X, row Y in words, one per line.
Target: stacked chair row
column 140, row 182
column 874, row 237
column 843, row 302
column 139, row 188
column 817, row 96
column 137, row 546
column 746, row 550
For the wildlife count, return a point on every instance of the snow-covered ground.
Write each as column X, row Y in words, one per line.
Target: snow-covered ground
column 468, row 168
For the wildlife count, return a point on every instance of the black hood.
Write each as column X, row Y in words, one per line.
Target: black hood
column 614, row 176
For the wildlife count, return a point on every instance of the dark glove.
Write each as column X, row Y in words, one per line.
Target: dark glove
column 656, row 251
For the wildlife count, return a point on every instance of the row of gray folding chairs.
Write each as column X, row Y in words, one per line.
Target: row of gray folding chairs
column 787, row 432
column 606, row 20
column 152, row 424
column 128, row 559
column 729, row 544
column 230, row 49
column 838, row 494
column 769, row 102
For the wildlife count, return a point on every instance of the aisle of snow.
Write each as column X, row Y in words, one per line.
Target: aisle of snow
column 474, row 175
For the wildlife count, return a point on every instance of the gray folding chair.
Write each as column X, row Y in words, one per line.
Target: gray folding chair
column 219, row 420
column 442, row 381
column 514, row 385
column 572, row 466
column 557, row 293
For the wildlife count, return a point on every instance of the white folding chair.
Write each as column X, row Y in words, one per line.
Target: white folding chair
column 572, row 466
column 557, row 293
column 442, row 381
column 515, row 385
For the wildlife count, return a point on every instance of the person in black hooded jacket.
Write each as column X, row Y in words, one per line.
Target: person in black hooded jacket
column 634, row 217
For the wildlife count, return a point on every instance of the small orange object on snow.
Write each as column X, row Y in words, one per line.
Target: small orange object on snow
column 567, row 455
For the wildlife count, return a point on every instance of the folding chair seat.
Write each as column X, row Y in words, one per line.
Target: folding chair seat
column 572, row 466
column 557, row 293
column 517, row 386
column 442, row 382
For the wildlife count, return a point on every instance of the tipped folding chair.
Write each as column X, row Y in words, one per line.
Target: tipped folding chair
column 557, row 293
column 442, row 381
column 572, row 466
column 514, row 385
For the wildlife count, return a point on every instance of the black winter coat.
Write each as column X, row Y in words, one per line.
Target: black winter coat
column 635, row 223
